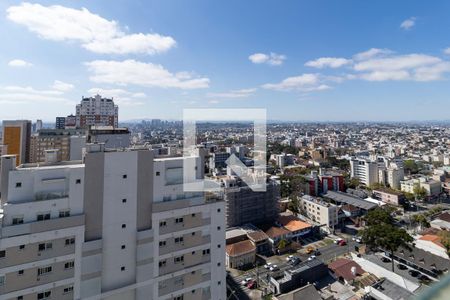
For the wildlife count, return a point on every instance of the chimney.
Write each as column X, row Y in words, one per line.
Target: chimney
column 51, row 156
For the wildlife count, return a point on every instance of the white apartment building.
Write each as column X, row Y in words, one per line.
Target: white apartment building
column 117, row 226
column 365, row 170
column 97, row 111
column 320, row 211
column 432, row 187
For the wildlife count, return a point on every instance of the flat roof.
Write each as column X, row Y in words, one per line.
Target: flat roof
column 350, row 199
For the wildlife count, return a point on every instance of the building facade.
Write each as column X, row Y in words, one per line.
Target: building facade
column 365, row 170
column 16, row 136
column 319, row 211
column 97, row 111
column 117, row 226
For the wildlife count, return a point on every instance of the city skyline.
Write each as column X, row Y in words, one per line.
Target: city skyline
column 302, row 61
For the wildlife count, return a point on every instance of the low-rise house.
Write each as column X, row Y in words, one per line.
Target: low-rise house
column 276, row 235
column 308, row 292
column 345, row 270
column 389, row 196
column 240, row 255
column 295, row 226
column 432, row 243
column 441, row 222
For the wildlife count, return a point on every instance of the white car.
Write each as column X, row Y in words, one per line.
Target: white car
column 273, row 268
column 246, row 280
column 268, row 265
column 311, row 257
column 290, row 257
column 337, row 241
column 358, row 240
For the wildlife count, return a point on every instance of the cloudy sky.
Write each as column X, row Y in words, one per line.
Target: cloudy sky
column 302, row 60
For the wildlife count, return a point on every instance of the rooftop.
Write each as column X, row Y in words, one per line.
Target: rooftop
column 240, row 248
column 349, row 199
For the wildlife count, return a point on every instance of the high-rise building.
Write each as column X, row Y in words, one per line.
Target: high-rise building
column 16, row 136
column 118, row 226
column 243, row 205
column 365, row 170
column 97, row 111
column 39, row 125
column 60, row 123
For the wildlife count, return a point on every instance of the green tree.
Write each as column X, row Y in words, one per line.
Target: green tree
column 294, row 205
column 353, row 183
column 445, row 239
column 381, row 233
column 420, row 192
column 421, row 220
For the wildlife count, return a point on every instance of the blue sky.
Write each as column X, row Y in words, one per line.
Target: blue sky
column 302, row 60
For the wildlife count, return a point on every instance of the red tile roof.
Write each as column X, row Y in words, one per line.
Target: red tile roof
column 342, row 267
column 240, row 248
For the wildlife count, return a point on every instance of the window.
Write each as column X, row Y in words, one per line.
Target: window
column 78, row 181
column 68, row 289
column 178, row 297
column 218, row 227
column 162, row 263
column 162, row 223
column 179, row 240
column 206, row 252
column 44, row 295
column 70, row 241
column 193, row 233
column 193, row 215
column 19, row 297
column 219, row 282
column 17, row 220
column 158, row 173
column 2, row 280
column 21, row 247
column 218, row 210
column 123, row 247
column 64, row 213
column 122, row 269
column 44, row 270
column 69, row 265
column 18, row 184
column 20, row 272
column 2, row 253
column 43, row 216
column 124, row 200
column 218, row 246
column 179, row 220
column 124, row 225
column 45, row 246
column 162, row 243
column 124, row 176
column 178, row 259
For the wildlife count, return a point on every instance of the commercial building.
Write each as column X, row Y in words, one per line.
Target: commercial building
column 117, row 226
column 319, row 211
column 365, row 170
column 431, row 187
column 389, row 196
column 97, row 111
column 60, row 123
column 112, row 137
column 16, row 136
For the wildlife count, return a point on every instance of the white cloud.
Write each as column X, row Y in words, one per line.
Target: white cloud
column 62, row 86
column 304, row 83
column 271, row 59
column 416, row 67
column 24, row 95
column 373, row 52
column 141, row 74
column 328, row 62
column 94, row 33
column 447, row 51
column 408, row 23
column 243, row 93
column 19, row 63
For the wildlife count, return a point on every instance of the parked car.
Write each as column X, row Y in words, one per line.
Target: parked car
column 295, row 261
column 290, row 257
column 342, row 243
column 274, row 268
column 402, row 267
column 385, row 259
column 317, row 252
column 424, row 278
column 246, row 281
column 309, row 250
column 413, row 273
column 337, row 241
column 268, row 265
column 311, row 257
column 252, row 284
